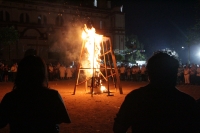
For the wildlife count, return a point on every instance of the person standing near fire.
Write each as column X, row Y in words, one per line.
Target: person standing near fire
column 69, row 72
column 122, row 72
column 62, row 70
column 186, row 72
column 198, row 75
column 50, row 72
column 14, row 71
column 193, row 72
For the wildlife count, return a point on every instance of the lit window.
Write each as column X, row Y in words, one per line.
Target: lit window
column 121, row 8
column 95, row 3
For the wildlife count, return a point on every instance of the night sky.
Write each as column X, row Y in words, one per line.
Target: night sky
column 161, row 24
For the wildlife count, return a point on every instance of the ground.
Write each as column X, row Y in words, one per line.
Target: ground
column 92, row 114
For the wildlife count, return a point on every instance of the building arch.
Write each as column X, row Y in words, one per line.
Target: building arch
column 31, row 32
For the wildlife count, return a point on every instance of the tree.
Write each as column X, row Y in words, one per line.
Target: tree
column 139, row 56
column 132, row 42
column 133, row 49
column 8, row 36
column 119, row 57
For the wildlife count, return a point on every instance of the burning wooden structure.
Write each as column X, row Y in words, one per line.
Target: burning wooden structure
column 97, row 64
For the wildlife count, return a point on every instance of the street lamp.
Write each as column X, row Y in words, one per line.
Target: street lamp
column 198, row 54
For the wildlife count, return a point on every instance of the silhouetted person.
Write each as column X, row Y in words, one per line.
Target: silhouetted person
column 159, row 106
column 32, row 107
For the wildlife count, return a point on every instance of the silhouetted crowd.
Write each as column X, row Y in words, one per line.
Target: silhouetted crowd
column 56, row 71
column 189, row 74
column 8, row 73
column 60, row 71
column 134, row 73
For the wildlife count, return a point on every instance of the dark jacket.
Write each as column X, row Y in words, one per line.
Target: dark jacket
column 33, row 111
column 151, row 109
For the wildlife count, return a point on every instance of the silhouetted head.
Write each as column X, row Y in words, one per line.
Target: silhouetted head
column 162, row 69
column 31, row 73
column 30, row 52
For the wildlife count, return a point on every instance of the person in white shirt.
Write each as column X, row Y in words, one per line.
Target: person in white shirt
column 69, row 72
column 198, row 75
column 62, row 70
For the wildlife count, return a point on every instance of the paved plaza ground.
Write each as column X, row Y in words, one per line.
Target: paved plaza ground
column 92, row 114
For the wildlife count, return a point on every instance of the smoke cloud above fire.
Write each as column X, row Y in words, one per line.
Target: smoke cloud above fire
column 67, row 43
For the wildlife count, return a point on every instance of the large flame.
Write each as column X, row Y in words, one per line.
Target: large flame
column 92, row 44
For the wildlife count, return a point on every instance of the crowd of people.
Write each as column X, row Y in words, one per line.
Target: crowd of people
column 56, row 71
column 60, row 71
column 8, row 73
column 134, row 73
column 187, row 74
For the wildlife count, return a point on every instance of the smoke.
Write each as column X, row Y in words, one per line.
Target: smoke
column 67, row 42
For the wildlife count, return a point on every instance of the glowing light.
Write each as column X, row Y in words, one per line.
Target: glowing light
column 198, row 54
column 103, row 89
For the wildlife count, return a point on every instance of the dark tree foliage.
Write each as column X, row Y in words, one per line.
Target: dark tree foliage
column 8, row 35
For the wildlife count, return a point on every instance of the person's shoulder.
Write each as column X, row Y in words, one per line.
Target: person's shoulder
column 184, row 95
column 9, row 95
column 50, row 90
column 137, row 93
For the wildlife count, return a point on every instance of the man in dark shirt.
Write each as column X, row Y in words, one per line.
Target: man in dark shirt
column 159, row 106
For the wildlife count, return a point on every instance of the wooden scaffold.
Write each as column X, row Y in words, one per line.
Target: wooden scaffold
column 108, row 70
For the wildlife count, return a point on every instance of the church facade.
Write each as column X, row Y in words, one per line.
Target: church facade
column 51, row 28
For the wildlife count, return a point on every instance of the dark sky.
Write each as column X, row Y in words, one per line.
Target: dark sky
column 160, row 24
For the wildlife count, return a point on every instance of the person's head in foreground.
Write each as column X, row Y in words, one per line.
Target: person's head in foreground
column 162, row 69
column 32, row 73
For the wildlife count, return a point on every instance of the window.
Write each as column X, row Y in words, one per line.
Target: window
column 4, row 16
column 22, row 18
column 7, row 16
column 95, row 3
column 59, row 20
column 1, row 15
column 27, row 18
column 39, row 19
column 44, row 19
column 121, row 8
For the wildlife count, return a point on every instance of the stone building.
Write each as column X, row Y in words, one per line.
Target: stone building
column 53, row 29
